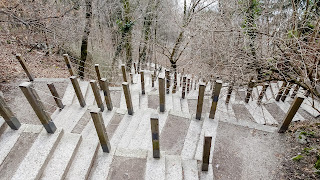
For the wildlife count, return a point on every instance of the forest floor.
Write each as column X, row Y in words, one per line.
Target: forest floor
column 302, row 157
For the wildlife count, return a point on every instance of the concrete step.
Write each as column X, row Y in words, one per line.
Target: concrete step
column 83, row 160
column 84, row 86
column 89, row 97
column 176, row 102
column 285, row 106
column 184, row 106
column 3, row 125
column 38, row 156
column 156, row 168
column 70, row 119
column 173, row 167
column 190, row 169
column 191, row 140
column 62, row 157
column 68, row 95
column 309, row 106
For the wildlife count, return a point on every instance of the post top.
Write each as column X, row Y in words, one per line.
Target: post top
column 300, row 96
column 25, row 84
column 92, row 81
column 125, row 83
column 154, row 116
column 123, row 65
column 202, row 84
column 95, row 110
column 65, row 55
column 18, row 55
column 219, row 81
column 103, row 79
column 73, row 77
column 96, row 64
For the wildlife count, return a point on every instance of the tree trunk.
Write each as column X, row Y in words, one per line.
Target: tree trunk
column 84, row 42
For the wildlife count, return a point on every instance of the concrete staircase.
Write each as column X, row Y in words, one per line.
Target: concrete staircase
column 73, row 151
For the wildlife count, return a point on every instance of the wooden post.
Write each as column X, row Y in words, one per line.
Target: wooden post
column 216, row 93
column 142, row 82
column 135, row 68
column 55, row 95
column 283, row 87
column 174, row 89
column 286, row 92
column 249, row 91
column 202, row 87
column 68, row 62
column 25, row 67
column 162, row 95
column 184, row 87
column 77, row 90
column 263, row 91
column 106, row 92
column 131, row 77
column 124, row 73
column 96, row 67
column 154, row 120
column 168, row 81
column 206, row 153
column 127, row 94
column 96, row 94
column 152, row 80
column 8, row 115
column 229, row 93
column 188, row 86
column 101, row 129
column 291, row 113
column 295, row 91
column 37, row 106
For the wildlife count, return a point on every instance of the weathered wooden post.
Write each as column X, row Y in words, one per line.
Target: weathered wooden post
column 291, row 113
column 249, row 90
column 152, row 80
column 77, row 90
column 188, row 85
column 283, row 87
column 184, row 87
column 263, row 91
column 127, row 94
column 154, row 119
column 25, row 67
column 206, row 153
column 286, row 92
column 96, row 94
column 135, row 68
column 216, row 93
column 230, row 89
column 96, row 67
column 142, row 82
column 162, row 95
column 131, row 78
column 101, row 129
column 55, row 95
column 124, row 73
column 181, row 76
column 68, row 63
column 106, row 92
column 295, row 91
column 168, row 81
column 8, row 115
column 202, row 87
column 174, row 89
column 37, row 106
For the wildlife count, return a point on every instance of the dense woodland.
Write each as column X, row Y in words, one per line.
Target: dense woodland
column 233, row 40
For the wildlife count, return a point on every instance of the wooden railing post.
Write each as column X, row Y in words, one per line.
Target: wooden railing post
column 152, row 80
column 124, row 73
column 216, row 94
column 25, row 67
column 77, row 90
column 101, row 129
column 37, row 106
column 106, row 92
column 96, row 67
column 263, row 91
column 55, row 95
column 249, row 91
column 131, row 77
column 68, row 63
column 154, row 120
column 283, row 87
column 286, row 92
column 127, row 94
column 291, row 113
column 206, row 153
column 188, row 85
column 184, row 87
column 230, row 89
column 135, row 68
column 174, row 89
column 96, row 94
column 8, row 115
column 142, row 82
column 162, row 95
column 202, row 88
column 295, row 91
